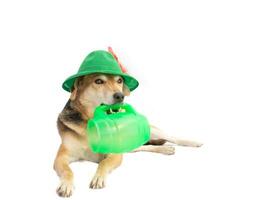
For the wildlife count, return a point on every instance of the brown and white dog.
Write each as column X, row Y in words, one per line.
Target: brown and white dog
column 88, row 92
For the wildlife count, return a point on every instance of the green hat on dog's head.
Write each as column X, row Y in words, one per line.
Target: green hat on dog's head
column 101, row 62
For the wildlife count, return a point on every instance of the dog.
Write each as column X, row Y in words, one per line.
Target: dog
column 88, row 92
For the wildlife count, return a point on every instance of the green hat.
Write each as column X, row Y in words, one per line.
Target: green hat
column 100, row 62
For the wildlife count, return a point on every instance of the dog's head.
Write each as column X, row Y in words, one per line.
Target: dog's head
column 95, row 89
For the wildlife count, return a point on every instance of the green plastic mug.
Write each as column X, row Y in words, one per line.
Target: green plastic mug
column 117, row 128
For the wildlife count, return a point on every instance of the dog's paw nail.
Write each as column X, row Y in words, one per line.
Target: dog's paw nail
column 97, row 182
column 65, row 189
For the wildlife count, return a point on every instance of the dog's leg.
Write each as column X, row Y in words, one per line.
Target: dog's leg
column 157, row 134
column 111, row 162
column 167, row 150
column 61, row 166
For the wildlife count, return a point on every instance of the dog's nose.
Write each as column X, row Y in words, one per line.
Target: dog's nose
column 118, row 96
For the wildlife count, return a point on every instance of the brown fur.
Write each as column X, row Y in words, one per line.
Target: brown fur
column 71, row 123
column 156, row 142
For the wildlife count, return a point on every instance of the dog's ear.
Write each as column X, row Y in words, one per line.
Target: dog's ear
column 126, row 91
column 75, row 88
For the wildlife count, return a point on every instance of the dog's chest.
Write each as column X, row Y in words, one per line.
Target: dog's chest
column 79, row 150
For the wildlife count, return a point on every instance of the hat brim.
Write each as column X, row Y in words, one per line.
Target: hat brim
column 129, row 81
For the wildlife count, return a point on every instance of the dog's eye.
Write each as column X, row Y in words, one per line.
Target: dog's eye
column 99, row 81
column 120, row 80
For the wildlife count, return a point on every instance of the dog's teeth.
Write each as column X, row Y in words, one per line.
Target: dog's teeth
column 121, row 110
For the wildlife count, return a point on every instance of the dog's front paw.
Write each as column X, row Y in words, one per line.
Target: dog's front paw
column 65, row 189
column 97, row 182
column 167, row 150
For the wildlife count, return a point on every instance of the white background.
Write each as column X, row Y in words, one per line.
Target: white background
column 203, row 72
